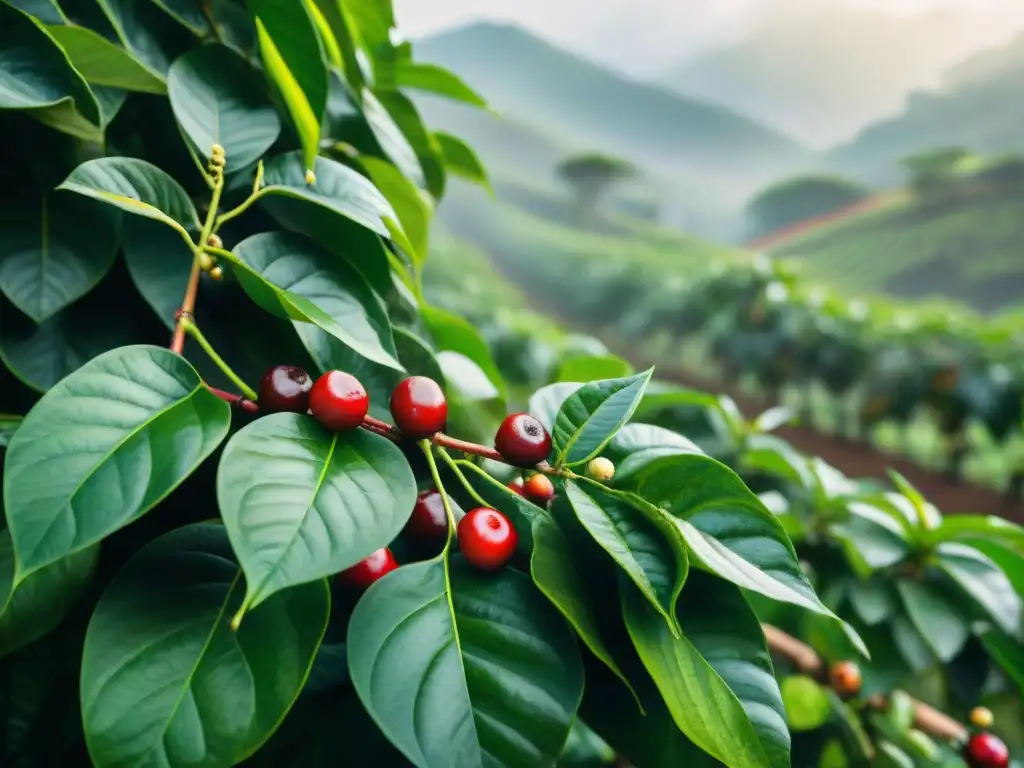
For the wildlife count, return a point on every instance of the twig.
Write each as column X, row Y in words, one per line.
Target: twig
column 806, row 659
column 239, row 401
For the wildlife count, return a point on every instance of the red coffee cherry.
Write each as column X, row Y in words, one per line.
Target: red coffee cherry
column 364, row 573
column 418, row 407
column 338, row 401
column 986, row 750
column 285, row 388
column 539, row 489
column 516, row 485
column 522, row 440
column 486, row 538
column 429, row 522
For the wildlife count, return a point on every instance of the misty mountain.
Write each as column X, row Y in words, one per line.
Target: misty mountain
column 820, row 71
column 537, row 84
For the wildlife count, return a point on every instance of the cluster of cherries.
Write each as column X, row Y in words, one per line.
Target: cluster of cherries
column 339, row 402
column 983, row 748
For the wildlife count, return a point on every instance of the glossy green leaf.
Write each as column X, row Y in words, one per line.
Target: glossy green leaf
column 293, row 60
column 300, row 504
column 159, row 263
column 453, row 333
column 634, row 543
column 873, row 601
column 980, row 578
column 490, row 660
column 165, row 681
column 135, row 186
column 55, row 252
column 460, row 158
column 1007, row 652
column 636, row 446
column 559, row 574
column 36, row 75
column 546, row 401
column 871, row 538
column 104, row 63
column 83, row 463
column 466, row 377
column 968, row 527
column 218, row 99
column 337, row 188
column 727, row 529
column 187, row 12
column 9, row 424
column 773, row 418
column 590, row 417
column 436, row 79
column 295, row 278
column 393, row 143
column 938, row 621
column 143, row 29
column 46, row 11
column 408, row 120
column 720, row 657
column 42, row 600
column 414, row 209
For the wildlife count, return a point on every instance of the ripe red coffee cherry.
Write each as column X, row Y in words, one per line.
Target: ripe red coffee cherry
column 522, row 440
column 428, row 522
column 517, row 486
column 487, row 538
column 539, row 489
column 361, row 575
column 418, row 407
column 285, row 388
column 986, row 750
column 338, row 401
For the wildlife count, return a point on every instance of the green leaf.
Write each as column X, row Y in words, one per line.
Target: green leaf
column 939, row 622
column 393, row 143
column 773, row 418
column 42, row 600
column 559, row 574
column 159, row 264
column 300, row 504
column 466, row 377
column 436, row 79
column 135, row 186
column 143, row 30
column 8, row 426
column 637, row 445
column 413, row 209
column 546, row 401
column 293, row 60
column 217, row 98
column 872, row 601
column 46, row 11
column 83, row 463
column 295, row 278
column 727, row 529
column 807, row 704
column 634, row 543
column 1007, row 652
column 165, row 681
column 490, row 660
column 407, row 117
column 36, row 74
column 104, row 63
column 720, row 655
column 460, row 159
column 590, row 417
column 980, row 578
column 871, row 538
column 337, row 188
column 966, row 527
column 54, row 252
column 453, row 333
column 188, row 13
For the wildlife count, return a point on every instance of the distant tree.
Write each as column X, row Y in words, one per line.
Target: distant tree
column 799, row 198
column 933, row 175
column 591, row 174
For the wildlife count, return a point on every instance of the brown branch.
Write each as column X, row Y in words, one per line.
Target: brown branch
column 806, row 659
column 188, row 308
column 446, row 441
column 239, row 401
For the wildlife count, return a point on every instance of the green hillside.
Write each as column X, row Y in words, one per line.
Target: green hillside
column 525, row 77
column 980, row 109
column 971, row 252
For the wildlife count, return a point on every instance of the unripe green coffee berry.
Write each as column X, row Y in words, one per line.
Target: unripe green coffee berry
column 601, row 469
column 214, row 241
column 217, row 149
column 310, row 177
column 206, row 262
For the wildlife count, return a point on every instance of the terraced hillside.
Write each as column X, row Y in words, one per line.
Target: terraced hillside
column 973, row 252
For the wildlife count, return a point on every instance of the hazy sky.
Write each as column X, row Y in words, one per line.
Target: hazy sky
column 648, row 36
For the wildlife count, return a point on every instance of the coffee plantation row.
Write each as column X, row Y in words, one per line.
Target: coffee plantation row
column 260, row 493
column 878, row 369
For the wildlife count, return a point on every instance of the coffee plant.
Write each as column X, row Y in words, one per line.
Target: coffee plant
column 265, row 503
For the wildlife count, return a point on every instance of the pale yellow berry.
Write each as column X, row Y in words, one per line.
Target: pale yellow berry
column 310, row 177
column 217, row 273
column 214, row 241
column 981, row 717
column 205, row 261
column 601, row 469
